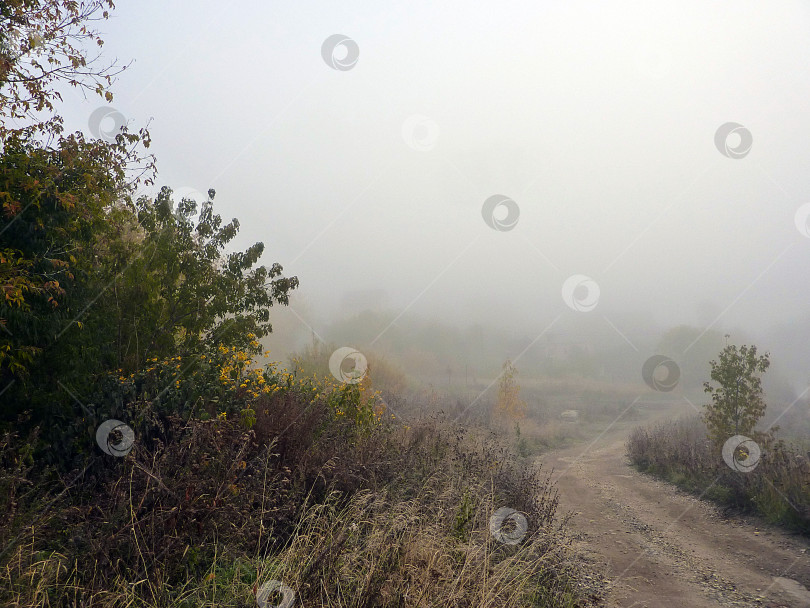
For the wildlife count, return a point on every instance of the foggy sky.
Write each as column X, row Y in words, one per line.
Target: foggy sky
column 597, row 119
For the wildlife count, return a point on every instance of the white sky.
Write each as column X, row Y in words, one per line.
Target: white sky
column 597, row 118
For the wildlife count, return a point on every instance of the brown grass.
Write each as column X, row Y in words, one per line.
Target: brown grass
column 680, row 451
column 205, row 514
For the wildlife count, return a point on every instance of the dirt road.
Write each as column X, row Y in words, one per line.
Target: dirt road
column 663, row 548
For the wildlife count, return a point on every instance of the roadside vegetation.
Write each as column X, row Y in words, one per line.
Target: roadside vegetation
column 311, row 487
column 153, row 454
column 724, row 455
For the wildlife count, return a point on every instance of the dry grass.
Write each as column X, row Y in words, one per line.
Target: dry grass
column 680, row 451
column 206, row 514
column 401, row 554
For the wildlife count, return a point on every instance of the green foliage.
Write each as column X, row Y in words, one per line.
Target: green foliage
column 521, row 443
column 465, row 513
column 97, row 285
column 54, row 204
column 352, row 402
column 362, row 402
column 58, row 198
column 175, row 289
column 737, row 401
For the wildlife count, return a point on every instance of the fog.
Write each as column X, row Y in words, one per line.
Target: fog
column 599, row 120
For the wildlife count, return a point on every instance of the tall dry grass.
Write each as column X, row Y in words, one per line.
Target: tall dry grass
column 208, row 512
column 679, row 451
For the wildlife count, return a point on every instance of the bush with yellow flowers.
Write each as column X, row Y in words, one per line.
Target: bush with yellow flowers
column 226, row 382
column 358, row 403
column 204, row 385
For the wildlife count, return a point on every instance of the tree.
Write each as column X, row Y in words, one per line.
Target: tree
column 43, row 44
column 509, row 403
column 737, row 400
column 52, row 208
column 140, row 281
column 55, row 191
column 176, row 291
column 95, row 284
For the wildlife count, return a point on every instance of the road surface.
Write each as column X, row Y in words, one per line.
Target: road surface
column 661, row 547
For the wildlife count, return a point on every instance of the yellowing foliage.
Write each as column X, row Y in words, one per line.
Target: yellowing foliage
column 509, row 404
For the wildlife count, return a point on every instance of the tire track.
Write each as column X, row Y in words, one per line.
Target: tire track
column 660, row 546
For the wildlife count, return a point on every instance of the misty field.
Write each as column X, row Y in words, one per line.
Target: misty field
column 378, row 305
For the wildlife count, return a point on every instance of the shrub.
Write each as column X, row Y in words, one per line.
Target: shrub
column 737, row 402
column 682, row 452
column 378, row 518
